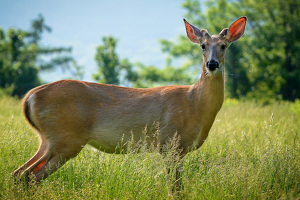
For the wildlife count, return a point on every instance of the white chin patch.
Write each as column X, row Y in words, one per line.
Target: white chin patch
column 215, row 71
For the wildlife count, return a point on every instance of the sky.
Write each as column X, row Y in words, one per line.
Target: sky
column 138, row 25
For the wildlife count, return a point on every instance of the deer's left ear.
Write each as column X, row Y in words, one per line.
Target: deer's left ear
column 235, row 30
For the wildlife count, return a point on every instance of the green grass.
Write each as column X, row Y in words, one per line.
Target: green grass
column 252, row 152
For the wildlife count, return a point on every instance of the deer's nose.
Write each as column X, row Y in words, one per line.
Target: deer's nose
column 212, row 65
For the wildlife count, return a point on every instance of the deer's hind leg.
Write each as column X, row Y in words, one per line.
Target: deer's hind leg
column 39, row 154
column 51, row 155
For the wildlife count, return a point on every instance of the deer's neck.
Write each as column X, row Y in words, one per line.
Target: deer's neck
column 208, row 93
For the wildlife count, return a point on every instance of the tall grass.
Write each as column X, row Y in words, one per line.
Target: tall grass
column 252, row 152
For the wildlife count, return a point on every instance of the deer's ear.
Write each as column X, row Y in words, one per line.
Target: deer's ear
column 192, row 32
column 236, row 29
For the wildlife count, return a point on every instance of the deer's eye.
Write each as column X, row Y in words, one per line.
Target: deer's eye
column 223, row 46
column 203, row 46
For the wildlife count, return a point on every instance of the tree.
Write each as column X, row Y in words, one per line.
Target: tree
column 112, row 70
column 108, row 62
column 275, row 38
column 22, row 57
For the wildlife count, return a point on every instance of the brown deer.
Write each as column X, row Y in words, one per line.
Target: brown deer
column 69, row 114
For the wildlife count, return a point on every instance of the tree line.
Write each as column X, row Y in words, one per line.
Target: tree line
column 262, row 65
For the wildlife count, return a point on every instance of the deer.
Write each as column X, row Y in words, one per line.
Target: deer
column 69, row 114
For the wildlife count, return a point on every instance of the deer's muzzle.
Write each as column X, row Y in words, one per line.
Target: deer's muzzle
column 212, row 65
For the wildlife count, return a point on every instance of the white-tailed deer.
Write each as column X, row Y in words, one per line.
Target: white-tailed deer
column 70, row 114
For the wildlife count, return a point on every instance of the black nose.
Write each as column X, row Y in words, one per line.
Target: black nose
column 212, row 65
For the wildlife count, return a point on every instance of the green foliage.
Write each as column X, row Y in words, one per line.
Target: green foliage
column 150, row 76
column 108, row 62
column 22, row 57
column 252, row 152
column 263, row 63
column 275, row 36
column 111, row 69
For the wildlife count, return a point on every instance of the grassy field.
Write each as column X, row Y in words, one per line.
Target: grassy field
column 252, row 152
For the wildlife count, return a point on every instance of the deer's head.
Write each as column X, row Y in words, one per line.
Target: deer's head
column 214, row 47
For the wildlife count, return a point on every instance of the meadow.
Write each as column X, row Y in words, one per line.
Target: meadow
column 252, row 152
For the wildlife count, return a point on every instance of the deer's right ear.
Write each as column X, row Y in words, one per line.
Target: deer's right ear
column 192, row 32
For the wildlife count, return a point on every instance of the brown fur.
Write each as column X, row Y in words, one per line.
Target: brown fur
column 70, row 114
